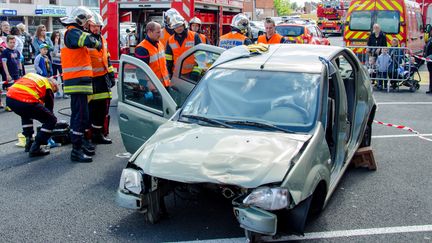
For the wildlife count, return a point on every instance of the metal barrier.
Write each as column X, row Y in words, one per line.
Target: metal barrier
column 388, row 67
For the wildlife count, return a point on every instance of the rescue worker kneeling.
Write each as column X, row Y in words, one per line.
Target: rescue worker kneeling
column 103, row 80
column 32, row 97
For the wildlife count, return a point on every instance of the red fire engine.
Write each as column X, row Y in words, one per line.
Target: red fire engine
column 331, row 16
column 216, row 16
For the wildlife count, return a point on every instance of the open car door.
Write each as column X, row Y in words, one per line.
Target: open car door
column 144, row 103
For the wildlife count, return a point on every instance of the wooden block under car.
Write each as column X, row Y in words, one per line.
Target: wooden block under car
column 364, row 157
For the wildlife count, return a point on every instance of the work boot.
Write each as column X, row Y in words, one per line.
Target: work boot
column 37, row 150
column 88, row 148
column 29, row 142
column 78, row 155
column 101, row 139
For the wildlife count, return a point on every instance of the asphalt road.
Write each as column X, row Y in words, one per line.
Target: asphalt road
column 52, row 199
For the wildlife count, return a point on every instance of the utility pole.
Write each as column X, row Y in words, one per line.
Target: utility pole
column 253, row 9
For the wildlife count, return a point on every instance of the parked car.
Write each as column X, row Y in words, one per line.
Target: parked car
column 272, row 130
column 302, row 33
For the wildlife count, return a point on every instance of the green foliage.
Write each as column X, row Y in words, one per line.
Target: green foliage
column 284, row 7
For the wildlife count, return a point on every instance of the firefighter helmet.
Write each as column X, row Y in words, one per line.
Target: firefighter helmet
column 97, row 19
column 241, row 22
column 168, row 15
column 176, row 21
column 79, row 15
column 195, row 20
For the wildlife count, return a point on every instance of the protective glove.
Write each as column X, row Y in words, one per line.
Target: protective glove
column 148, row 95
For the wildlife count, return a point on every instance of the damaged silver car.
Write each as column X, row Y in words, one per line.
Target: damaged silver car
column 270, row 128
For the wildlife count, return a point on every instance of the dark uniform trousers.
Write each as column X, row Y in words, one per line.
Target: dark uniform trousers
column 99, row 105
column 79, row 118
column 37, row 111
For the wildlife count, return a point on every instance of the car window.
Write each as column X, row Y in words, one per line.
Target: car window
column 293, row 31
column 320, row 34
column 196, row 65
column 344, row 67
column 138, row 89
column 313, row 31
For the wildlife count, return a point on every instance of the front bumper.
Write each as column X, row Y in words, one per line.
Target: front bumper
column 256, row 220
column 128, row 200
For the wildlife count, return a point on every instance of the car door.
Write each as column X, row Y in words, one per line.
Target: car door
column 314, row 36
column 144, row 103
column 322, row 38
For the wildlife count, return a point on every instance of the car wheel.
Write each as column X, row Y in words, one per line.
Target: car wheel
column 367, row 137
column 153, row 214
column 252, row 237
column 318, row 198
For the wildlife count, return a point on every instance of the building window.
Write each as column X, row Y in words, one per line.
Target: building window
column 71, row 2
column 21, row 1
column 91, row 3
column 53, row 2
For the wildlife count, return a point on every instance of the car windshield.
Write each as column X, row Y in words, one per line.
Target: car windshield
column 290, row 30
column 388, row 20
column 287, row 101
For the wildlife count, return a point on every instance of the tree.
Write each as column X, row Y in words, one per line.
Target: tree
column 283, row 7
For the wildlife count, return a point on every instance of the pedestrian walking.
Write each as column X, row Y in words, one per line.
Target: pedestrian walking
column 182, row 40
column 103, row 81
column 27, row 40
column 270, row 36
column 237, row 36
column 41, row 38
column 77, row 76
column 377, row 38
column 56, row 60
column 32, row 98
column 42, row 63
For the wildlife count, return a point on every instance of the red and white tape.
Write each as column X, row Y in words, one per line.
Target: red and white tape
column 423, row 58
column 409, row 129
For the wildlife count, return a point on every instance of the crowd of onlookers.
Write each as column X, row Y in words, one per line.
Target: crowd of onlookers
column 18, row 47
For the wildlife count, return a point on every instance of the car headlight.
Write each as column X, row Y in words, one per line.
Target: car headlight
column 268, row 198
column 131, row 180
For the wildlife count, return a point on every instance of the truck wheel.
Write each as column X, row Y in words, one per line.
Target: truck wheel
column 252, row 237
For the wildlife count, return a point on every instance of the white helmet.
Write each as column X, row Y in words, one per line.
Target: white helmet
column 168, row 15
column 79, row 15
column 240, row 21
column 97, row 19
column 195, row 20
column 176, row 21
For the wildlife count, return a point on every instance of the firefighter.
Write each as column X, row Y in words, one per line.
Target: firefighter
column 203, row 63
column 182, row 40
column 77, row 76
column 167, row 32
column 236, row 37
column 103, row 81
column 195, row 25
column 270, row 36
column 32, row 97
column 152, row 52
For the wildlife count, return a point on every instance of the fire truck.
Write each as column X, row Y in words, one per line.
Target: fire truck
column 216, row 16
column 331, row 16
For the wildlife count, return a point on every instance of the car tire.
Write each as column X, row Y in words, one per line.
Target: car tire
column 153, row 214
column 252, row 237
column 318, row 198
column 367, row 136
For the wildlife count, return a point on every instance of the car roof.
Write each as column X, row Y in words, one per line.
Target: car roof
column 285, row 24
column 279, row 57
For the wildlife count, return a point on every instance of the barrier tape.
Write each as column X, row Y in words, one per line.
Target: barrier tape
column 423, row 58
column 409, row 129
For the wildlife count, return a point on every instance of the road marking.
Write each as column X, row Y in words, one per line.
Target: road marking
column 402, row 135
column 404, row 103
column 340, row 233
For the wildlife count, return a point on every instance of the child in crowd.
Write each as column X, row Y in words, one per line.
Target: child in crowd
column 11, row 63
column 372, row 68
column 383, row 63
column 42, row 63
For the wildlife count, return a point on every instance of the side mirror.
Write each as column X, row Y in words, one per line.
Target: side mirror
column 427, row 29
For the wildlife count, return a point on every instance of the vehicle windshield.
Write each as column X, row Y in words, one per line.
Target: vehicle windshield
column 243, row 99
column 388, row 20
column 293, row 31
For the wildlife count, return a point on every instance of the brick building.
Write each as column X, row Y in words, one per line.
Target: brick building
column 264, row 8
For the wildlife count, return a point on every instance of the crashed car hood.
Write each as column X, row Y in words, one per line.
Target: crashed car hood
column 192, row 153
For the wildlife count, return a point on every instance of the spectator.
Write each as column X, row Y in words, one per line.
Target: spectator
column 428, row 54
column 371, row 67
column 56, row 57
column 40, row 38
column 376, row 38
column 42, row 62
column 5, row 29
column 27, row 41
column 397, row 58
column 383, row 63
column 11, row 64
column 19, row 45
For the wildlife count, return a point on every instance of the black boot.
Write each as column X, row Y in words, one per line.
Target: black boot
column 88, row 148
column 101, row 139
column 36, row 150
column 29, row 142
column 78, row 155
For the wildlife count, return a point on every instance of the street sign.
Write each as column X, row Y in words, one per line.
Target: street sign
column 9, row 12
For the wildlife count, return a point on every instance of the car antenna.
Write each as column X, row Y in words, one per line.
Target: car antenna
column 263, row 65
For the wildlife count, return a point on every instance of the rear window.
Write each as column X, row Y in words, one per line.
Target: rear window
column 389, row 21
column 290, row 30
column 361, row 20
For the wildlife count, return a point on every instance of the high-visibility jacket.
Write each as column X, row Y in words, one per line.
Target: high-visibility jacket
column 77, row 67
column 231, row 40
column 31, row 88
column 178, row 50
column 275, row 39
column 203, row 38
column 164, row 37
column 157, row 61
column 99, row 59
